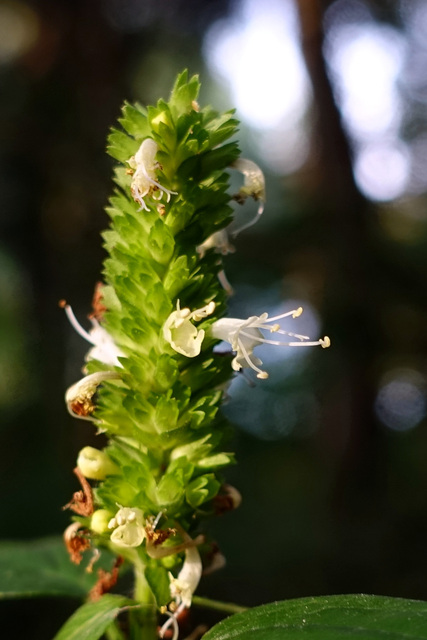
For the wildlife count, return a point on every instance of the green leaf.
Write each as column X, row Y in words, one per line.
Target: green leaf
column 43, row 568
column 157, row 578
column 91, row 620
column 328, row 618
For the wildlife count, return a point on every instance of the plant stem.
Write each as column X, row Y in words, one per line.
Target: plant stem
column 143, row 621
column 226, row 607
column 113, row 632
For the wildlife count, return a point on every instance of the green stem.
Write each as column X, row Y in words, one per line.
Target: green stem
column 113, row 632
column 142, row 620
column 226, row 607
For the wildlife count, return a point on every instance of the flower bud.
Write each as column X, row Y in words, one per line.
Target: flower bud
column 99, row 521
column 95, row 464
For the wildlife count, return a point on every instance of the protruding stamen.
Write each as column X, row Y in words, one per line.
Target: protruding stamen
column 295, row 314
column 171, row 621
column 244, row 335
column 76, row 324
column 323, row 342
column 157, row 519
column 251, row 222
column 263, row 375
column 277, row 343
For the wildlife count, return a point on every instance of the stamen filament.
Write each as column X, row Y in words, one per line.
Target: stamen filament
column 157, row 184
column 77, row 326
column 295, row 314
column 323, row 342
column 248, row 360
column 171, row 621
column 283, row 332
column 277, row 342
column 254, row 220
column 143, row 206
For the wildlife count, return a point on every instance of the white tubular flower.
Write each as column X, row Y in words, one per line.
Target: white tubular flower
column 79, row 396
column 183, row 587
column 245, row 335
column 95, row 464
column 144, row 167
column 253, row 187
column 128, row 527
column 181, row 333
column 104, row 348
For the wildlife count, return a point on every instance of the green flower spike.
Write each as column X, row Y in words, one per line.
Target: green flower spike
column 153, row 382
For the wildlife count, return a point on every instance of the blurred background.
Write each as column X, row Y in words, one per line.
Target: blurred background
column 332, row 97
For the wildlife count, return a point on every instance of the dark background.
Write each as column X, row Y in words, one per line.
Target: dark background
column 332, row 457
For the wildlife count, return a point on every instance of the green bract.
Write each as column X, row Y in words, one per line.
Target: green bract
column 153, row 263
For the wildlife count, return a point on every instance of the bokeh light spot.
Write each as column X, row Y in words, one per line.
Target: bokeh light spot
column 257, row 53
column 382, row 170
column 19, row 30
column 401, row 402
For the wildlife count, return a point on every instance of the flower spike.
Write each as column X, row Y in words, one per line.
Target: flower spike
column 181, row 334
column 245, row 335
column 144, row 167
column 253, row 187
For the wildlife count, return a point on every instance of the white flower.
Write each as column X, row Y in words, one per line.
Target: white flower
column 218, row 241
column 128, row 527
column 79, row 396
column 181, row 333
column 183, row 587
column 104, row 348
column 144, row 176
column 245, row 335
column 253, row 187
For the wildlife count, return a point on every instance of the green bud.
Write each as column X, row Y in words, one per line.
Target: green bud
column 95, row 464
column 99, row 521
